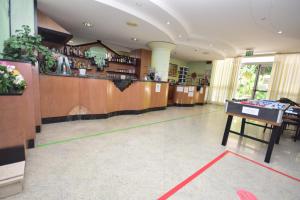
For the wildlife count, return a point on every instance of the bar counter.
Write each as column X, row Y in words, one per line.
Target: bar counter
column 186, row 95
column 66, row 98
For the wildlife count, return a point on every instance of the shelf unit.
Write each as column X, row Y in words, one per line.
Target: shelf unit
column 182, row 76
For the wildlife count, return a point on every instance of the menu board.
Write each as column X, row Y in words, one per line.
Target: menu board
column 157, row 87
column 179, row 89
column 186, row 89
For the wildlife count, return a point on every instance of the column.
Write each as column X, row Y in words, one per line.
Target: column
column 160, row 59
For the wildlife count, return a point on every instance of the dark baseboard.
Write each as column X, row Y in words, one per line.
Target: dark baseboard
column 30, row 143
column 50, row 120
column 12, row 155
column 38, row 129
column 184, row 105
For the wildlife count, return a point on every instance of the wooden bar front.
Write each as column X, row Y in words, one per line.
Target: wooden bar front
column 18, row 114
column 186, row 95
column 70, row 96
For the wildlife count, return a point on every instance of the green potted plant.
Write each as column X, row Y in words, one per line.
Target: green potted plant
column 26, row 47
column 11, row 81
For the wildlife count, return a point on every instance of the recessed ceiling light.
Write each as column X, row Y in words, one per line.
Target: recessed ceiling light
column 138, row 4
column 132, row 24
column 168, row 23
column 280, row 32
column 134, row 39
column 180, row 36
column 87, row 24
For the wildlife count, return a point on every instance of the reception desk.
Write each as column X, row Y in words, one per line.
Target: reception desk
column 187, row 95
column 65, row 98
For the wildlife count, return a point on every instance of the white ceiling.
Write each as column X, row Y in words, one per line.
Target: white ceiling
column 209, row 29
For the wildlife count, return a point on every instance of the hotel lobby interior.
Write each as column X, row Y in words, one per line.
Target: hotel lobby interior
column 149, row 99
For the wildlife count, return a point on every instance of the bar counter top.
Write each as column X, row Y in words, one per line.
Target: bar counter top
column 69, row 97
column 102, row 77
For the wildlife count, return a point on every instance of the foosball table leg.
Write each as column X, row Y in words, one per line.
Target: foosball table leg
column 227, row 129
column 275, row 134
column 243, row 126
column 279, row 134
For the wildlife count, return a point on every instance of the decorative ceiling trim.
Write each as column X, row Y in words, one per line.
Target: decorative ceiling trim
column 136, row 13
column 162, row 5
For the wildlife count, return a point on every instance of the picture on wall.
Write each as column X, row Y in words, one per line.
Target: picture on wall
column 173, row 68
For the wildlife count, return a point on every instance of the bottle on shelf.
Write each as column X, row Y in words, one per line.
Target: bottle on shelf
column 65, row 51
column 71, row 51
column 64, row 66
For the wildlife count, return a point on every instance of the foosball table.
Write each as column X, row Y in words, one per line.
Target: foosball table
column 266, row 111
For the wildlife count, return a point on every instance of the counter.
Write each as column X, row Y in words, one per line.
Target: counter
column 187, row 95
column 65, row 98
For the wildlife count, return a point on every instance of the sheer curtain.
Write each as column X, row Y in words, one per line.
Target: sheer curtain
column 223, row 80
column 285, row 77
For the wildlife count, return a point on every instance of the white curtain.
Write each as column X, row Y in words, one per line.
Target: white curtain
column 285, row 77
column 223, row 80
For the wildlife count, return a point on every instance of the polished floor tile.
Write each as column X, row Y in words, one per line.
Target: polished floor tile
column 143, row 156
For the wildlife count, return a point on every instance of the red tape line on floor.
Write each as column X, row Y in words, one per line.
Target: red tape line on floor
column 192, row 177
column 211, row 163
column 265, row 166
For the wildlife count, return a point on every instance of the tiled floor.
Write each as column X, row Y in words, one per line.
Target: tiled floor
column 140, row 157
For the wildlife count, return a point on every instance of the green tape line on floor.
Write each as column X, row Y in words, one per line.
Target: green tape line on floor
column 120, row 129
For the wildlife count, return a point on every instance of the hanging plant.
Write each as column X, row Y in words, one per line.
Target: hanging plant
column 26, row 47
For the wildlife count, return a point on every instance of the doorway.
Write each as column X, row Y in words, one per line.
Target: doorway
column 253, row 82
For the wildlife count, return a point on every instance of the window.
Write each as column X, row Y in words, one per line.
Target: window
column 254, row 79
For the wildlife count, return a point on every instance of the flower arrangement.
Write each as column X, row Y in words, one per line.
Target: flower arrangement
column 11, row 81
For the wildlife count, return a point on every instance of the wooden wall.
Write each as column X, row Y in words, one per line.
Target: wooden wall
column 18, row 115
column 182, row 98
column 145, row 58
column 64, row 96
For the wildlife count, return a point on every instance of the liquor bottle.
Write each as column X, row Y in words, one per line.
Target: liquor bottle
column 71, row 51
column 65, row 50
column 64, row 66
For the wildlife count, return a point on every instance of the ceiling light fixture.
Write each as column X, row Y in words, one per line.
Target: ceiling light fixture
column 71, row 42
column 280, row 32
column 138, row 4
column 87, row 24
column 168, row 23
column 132, row 24
column 134, row 39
